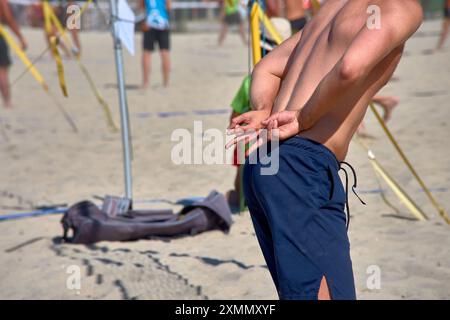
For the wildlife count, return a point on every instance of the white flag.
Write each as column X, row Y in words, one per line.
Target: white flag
column 125, row 25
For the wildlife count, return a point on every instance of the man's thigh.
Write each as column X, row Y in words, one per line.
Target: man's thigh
column 148, row 42
column 304, row 204
column 163, row 38
column 5, row 60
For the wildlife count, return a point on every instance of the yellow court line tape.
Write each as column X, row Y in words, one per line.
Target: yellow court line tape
column 55, row 21
column 100, row 99
column 50, row 20
column 383, row 194
column 59, row 27
column 36, row 74
column 23, row 57
column 399, row 192
column 63, row 33
column 316, row 4
column 106, row 109
column 59, row 65
column 405, row 159
column 410, row 204
column 256, row 53
column 269, row 26
column 27, row 69
column 255, row 33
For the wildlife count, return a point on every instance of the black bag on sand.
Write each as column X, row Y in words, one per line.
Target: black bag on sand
column 89, row 224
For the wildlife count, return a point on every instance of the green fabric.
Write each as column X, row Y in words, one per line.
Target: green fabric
column 231, row 6
column 241, row 102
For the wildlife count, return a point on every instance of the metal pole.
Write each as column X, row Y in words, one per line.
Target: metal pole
column 124, row 120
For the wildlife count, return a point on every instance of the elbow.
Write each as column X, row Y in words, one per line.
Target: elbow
column 350, row 71
column 258, row 69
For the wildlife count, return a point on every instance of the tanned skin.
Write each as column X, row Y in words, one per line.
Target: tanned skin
column 224, row 26
column 294, row 9
column 318, row 83
column 7, row 18
column 147, row 55
column 445, row 28
column 273, row 8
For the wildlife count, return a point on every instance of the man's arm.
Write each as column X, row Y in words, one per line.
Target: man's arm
column 265, row 84
column 366, row 51
column 10, row 21
column 168, row 5
column 268, row 73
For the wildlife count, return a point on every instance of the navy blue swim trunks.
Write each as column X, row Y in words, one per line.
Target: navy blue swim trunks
column 300, row 221
column 5, row 60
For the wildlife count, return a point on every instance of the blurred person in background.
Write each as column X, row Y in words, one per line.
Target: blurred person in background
column 230, row 16
column 60, row 9
column 156, row 29
column 296, row 14
column 272, row 8
column 6, row 18
column 445, row 26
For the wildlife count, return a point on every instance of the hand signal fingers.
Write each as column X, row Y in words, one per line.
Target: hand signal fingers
column 245, row 136
column 239, row 120
column 261, row 140
column 270, row 119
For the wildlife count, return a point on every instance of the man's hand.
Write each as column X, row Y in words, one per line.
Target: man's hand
column 23, row 43
column 249, row 121
column 283, row 125
column 246, row 126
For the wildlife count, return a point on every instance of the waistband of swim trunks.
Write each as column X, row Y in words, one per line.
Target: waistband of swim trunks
column 314, row 147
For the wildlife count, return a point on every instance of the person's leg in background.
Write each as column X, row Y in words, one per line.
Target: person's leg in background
column 242, row 32
column 444, row 33
column 5, row 63
column 165, row 61
column 61, row 45
column 223, row 32
column 234, row 196
column 164, row 48
column 76, row 41
column 388, row 103
column 73, row 31
column 4, row 86
column 147, row 57
column 146, row 67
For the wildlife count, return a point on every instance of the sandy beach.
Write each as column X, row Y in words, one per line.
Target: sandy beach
column 44, row 162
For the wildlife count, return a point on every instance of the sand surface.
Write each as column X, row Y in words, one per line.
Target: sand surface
column 44, row 162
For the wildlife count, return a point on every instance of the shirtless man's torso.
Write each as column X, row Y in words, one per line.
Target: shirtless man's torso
column 332, row 69
column 314, row 89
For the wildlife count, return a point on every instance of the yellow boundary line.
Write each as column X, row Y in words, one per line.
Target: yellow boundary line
column 36, row 74
column 405, row 159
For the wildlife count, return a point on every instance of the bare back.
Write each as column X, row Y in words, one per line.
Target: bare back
column 324, row 42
